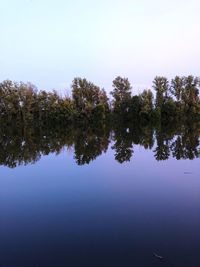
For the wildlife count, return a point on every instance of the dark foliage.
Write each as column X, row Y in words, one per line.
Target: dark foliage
column 21, row 103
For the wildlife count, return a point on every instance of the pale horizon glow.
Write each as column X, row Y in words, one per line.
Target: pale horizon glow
column 50, row 42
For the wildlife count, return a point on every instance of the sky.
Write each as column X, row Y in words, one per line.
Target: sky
column 49, row 42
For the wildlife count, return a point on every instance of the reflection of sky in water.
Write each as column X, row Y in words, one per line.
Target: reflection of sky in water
column 55, row 212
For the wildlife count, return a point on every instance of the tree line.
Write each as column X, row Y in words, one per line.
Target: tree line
column 174, row 100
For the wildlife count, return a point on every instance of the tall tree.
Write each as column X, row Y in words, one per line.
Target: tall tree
column 121, row 94
column 146, row 100
column 88, row 97
column 177, row 87
column 190, row 94
column 161, row 86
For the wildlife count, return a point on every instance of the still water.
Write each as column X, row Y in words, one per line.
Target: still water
column 121, row 197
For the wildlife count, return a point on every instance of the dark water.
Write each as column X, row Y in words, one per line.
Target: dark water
column 104, row 197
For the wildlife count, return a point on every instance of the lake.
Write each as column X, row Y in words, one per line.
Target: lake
column 126, row 196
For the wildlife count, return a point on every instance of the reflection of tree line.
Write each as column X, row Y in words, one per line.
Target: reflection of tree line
column 185, row 144
column 22, row 146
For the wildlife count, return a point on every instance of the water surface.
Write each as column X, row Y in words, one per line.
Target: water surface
column 100, row 198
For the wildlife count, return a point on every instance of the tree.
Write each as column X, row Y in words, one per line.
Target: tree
column 177, row 87
column 121, row 94
column 169, row 112
column 87, row 97
column 161, row 86
column 190, row 94
column 17, row 100
column 146, row 100
column 27, row 101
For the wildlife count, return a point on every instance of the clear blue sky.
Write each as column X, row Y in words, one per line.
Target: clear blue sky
column 49, row 42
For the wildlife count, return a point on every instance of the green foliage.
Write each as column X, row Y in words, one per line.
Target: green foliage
column 177, row 88
column 178, row 100
column 168, row 112
column 191, row 93
column 146, row 102
column 89, row 99
column 135, row 107
column 122, row 95
column 21, row 102
column 161, row 86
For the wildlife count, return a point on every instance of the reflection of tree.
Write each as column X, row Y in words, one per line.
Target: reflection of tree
column 21, row 146
column 183, row 143
column 123, row 150
column 186, row 145
column 162, row 151
column 123, row 144
column 178, row 148
column 17, row 150
column 146, row 137
column 127, row 135
column 89, row 145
